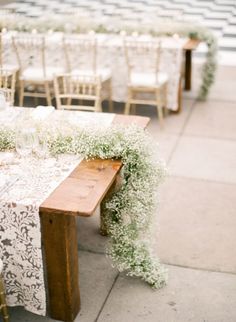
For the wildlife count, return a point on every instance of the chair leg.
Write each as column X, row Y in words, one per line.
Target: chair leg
column 110, row 102
column 21, row 94
column 133, row 109
column 68, row 101
column 36, row 101
column 127, row 108
column 127, row 104
column 98, row 105
column 110, row 105
column 3, row 304
column 164, row 99
column 159, row 108
column 12, row 86
column 48, row 95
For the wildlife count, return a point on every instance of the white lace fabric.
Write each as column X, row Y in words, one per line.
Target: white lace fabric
column 24, row 185
column 20, row 236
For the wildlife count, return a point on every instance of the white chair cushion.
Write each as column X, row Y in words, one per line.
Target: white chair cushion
column 12, row 68
column 36, row 74
column 147, row 79
column 104, row 74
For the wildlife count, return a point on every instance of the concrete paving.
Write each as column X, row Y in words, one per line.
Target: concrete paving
column 196, row 236
column 191, row 295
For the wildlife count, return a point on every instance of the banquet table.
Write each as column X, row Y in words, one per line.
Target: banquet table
column 79, row 194
column 110, row 55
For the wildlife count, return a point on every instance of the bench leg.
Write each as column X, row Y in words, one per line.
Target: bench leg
column 59, row 237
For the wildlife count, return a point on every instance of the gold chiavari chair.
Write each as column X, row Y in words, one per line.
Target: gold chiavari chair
column 8, row 68
column 144, row 76
column 8, row 58
column 81, row 53
column 3, row 305
column 35, row 77
column 7, row 85
column 7, row 11
column 83, row 89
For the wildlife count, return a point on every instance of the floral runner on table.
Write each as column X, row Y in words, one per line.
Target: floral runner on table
column 128, row 212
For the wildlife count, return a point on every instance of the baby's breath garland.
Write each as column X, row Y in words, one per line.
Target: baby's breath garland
column 128, row 211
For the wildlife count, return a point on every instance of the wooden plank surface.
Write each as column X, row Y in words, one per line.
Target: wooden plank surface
column 84, row 189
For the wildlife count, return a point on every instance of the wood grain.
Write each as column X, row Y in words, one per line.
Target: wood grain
column 84, row 189
column 59, row 234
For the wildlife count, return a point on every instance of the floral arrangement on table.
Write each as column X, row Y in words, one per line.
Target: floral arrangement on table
column 128, row 212
column 79, row 24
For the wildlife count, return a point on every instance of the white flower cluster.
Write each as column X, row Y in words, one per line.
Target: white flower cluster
column 7, row 139
column 128, row 211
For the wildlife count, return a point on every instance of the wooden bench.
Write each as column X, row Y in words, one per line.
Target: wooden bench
column 77, row 195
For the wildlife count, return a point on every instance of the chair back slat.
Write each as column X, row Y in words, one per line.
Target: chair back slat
column 80, row 88
column 150, row 56
column 7, row 54
column 80, row 52
column 142, row 55
column 30, row 51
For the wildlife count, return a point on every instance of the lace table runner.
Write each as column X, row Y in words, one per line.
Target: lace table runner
column 24, row 185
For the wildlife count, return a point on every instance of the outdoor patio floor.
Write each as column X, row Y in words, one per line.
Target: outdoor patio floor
column 196, row 236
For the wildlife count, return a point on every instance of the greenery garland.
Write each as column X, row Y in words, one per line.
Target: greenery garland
column 128, row 212
column 79, row 24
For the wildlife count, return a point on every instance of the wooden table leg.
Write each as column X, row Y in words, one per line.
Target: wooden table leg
column 180, row 95
column 188, row 69
column 59, row 236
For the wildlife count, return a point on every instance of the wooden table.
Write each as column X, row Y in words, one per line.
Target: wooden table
column 78, row 195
